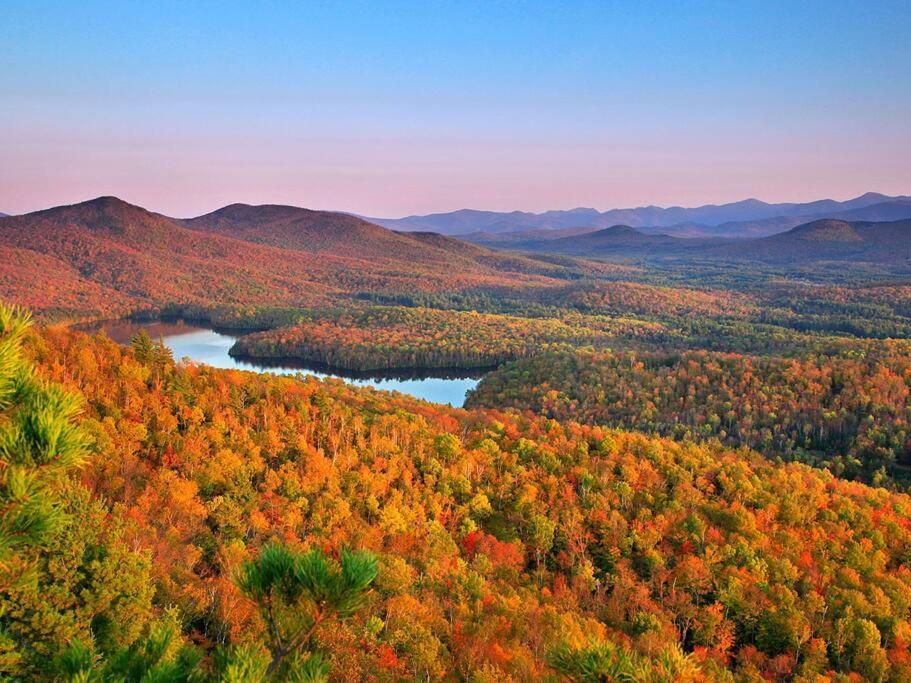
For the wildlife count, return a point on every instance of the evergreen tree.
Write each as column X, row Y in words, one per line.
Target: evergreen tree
column 39, row 444
column 296, row 592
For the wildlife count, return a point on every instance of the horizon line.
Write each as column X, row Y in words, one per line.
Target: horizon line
column 368, row 217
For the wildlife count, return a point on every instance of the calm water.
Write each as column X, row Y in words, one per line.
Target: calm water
column 205, row 345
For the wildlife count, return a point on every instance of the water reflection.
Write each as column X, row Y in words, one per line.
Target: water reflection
column 210, row 346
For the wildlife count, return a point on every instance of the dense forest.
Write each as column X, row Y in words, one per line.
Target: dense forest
column 681, row 469
column 849, row 413
column 172, row 522
column 478, row 329
column 410, row 337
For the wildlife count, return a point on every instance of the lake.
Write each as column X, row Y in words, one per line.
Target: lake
column 203, row 344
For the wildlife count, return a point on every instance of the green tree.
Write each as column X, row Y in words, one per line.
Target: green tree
column 598, row 662
column 160, row 656
column 296, row 592
column 541, row 535
column 68, row 582
column 40, row 443
column 858, row 647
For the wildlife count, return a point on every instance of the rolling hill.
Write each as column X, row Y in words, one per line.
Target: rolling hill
column 617, row 240
column 344, row 235
column 507, row 239
column 113, row 257
column 321, row 232
column 828, row 239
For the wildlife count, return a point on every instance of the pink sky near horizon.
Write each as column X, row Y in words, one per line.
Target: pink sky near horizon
column 396, row 178
column 399, row 108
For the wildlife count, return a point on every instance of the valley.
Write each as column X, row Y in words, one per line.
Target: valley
column 672, row 456
column 215, row 348
column 455, row 342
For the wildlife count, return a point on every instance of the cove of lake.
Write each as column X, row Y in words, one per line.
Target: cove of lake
column 202, row 344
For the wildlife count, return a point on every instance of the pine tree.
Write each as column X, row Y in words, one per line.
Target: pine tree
column 296, row 592
column 40, row 443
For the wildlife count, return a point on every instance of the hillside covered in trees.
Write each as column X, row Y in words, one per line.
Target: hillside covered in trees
column 180, row 522
column 628, row 496
column 848, row 413
column 106, row 257
column 412, row 337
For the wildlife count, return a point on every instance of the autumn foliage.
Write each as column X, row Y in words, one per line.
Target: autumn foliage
column 403, row 337
column 509, row 547
column 848, row 412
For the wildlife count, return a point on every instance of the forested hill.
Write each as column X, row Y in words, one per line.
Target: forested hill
column 108, row 257
column 225, row 525
column 290, row 227
column 850, row 413
column 882, row 242
column 622, row 239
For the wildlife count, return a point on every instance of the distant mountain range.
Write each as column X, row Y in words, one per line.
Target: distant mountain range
column 747, row 218
column 891, row 210
column 827, row 239
column 107, row 257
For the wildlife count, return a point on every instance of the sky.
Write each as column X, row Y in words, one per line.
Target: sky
column 389, row 109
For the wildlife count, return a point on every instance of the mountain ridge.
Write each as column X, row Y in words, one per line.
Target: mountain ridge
column 123, row 257
column 815, row 240
column 895, row 209
column 828, row 239
column 465, row 221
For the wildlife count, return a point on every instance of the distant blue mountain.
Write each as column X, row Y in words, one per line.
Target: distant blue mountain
column 690, row 221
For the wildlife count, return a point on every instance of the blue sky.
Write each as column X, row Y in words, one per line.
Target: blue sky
column 398, row 108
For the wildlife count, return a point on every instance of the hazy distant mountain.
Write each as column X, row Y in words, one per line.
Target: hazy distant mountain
column 468, row 221
column 617, row 240
column 827, row 239
column 509, row 239
column 892, row 210
column 819, row 240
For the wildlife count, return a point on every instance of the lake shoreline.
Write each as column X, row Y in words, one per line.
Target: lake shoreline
column 201, row 342
column 403, row 373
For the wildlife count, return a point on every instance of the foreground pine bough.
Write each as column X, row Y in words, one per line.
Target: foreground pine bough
column 192, row 523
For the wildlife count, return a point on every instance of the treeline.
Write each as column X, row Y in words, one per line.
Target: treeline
column 508, row 548
column 400, row 337
column 848, row 413
column 650, row 300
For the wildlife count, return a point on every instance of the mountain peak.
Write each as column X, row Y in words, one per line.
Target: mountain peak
column 107, row 203
column 826, row 230
column 240, row 212
column 103, row 213
column 872, row 196
column 620, row 229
